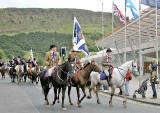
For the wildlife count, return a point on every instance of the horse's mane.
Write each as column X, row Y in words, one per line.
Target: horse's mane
column 86, row 65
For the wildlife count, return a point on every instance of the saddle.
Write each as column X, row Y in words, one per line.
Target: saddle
column 103, row 76
column 51, row 72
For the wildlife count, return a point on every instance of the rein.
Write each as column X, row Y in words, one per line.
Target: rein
column 121, row 73
column 62, row 71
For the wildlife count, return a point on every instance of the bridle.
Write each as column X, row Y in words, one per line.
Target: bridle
column 62, row 71
column 123, row 76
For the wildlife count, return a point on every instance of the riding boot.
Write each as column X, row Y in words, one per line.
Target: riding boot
column 108, row 80
column 70, row 81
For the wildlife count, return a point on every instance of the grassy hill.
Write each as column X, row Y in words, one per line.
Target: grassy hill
column 21, row 29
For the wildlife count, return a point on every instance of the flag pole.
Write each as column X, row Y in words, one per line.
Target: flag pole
column 102, row 22
column 125, row 35
column 157, row 35
column 140, row 53
column 114, row 42
column 102, row 30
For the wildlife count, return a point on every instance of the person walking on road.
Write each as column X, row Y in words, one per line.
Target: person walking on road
column 153, row 77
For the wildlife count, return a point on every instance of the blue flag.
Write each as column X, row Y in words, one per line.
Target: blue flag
column 132, row 8
column 151, row 3
column 79, row 43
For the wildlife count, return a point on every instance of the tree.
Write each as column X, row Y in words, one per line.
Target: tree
column 2, row 55
column 27, row 55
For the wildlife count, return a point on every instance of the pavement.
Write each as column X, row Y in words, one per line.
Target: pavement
column 134, row 84
column 28, row 98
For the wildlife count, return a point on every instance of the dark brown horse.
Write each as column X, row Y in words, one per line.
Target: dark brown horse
column 12, row 73
column 58, row 79
column 81, row 78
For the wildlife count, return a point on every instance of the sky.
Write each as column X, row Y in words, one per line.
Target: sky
column 93, row 5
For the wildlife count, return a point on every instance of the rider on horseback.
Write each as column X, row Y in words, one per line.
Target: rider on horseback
column 18, row 61
column 107, row 65
column 34, row 62
column 52, row 59
column 1, row 63
column 77, row 63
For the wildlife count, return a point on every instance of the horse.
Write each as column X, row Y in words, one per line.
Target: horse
column 3, row 70
column 33, row 74
column 80, row 80
column 19, row 72
column 117, row 80
column 12, row 73
column 58, row 79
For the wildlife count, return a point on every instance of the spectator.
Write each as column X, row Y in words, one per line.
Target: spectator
column 153, row 77
column 128, row 78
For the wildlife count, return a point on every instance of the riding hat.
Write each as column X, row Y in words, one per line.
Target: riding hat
column 108, row 50
column 52, row 46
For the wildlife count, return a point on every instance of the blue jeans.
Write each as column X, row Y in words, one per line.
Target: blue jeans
column 127, row 88
column 154, row 89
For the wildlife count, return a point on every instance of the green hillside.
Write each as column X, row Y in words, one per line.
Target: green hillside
column 21, row 29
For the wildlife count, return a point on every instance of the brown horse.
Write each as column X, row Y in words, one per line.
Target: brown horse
column 3, row 70
column 33, row 73
column 81, row 78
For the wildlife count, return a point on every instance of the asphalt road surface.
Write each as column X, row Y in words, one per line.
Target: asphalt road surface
column 28, row 98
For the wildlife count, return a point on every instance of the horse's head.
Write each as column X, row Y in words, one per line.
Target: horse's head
column 95, row 66
column 70, row 65
column 134, row 68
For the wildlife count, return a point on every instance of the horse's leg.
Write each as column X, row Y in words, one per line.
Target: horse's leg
column 112, row 94
column 32, row 79
column 59, row 91
column 78, row 95
column 84, row 92
column 18, row 79
column 45, row 91
column 69, row 94
column 55, row 95
column 37, row 80
column 3, row 74
column 124, row 96
column 90, row 94
column 13, row 78
column 63, row 96
column 96, row 92
column 25, row 76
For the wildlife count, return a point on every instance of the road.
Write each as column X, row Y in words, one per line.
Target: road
column 28, row 98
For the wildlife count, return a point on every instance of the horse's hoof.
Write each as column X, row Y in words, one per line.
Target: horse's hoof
column 89, row 97
column 45, row 102
column 64, row 108
column 58, row 101
column 79, row 106
column 110, row 104
column 71, row 103
column 98, row 102
column 124, row 104
column 49, row 105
